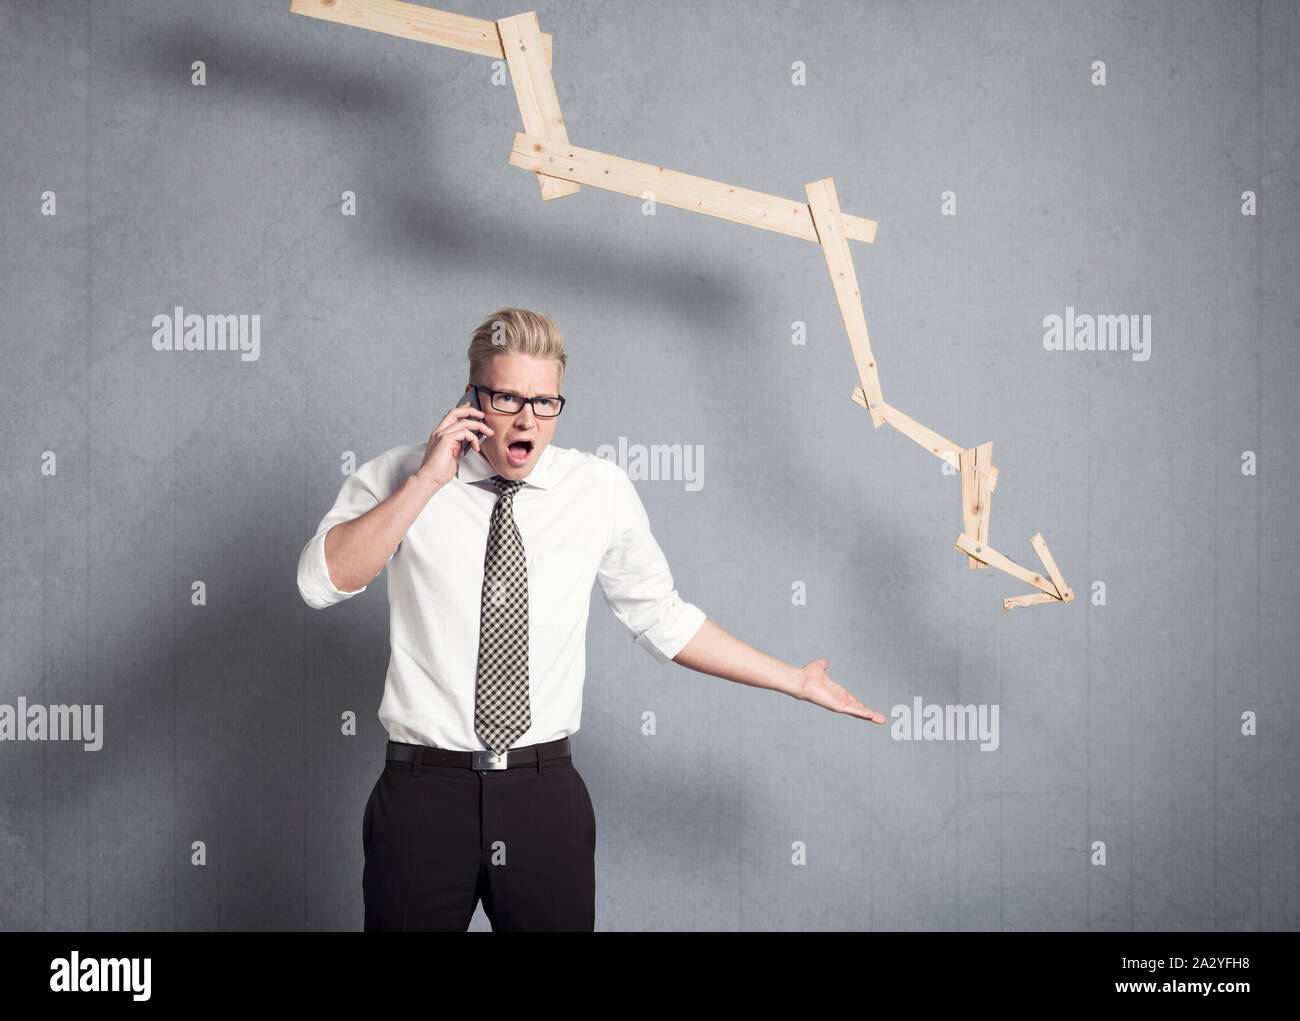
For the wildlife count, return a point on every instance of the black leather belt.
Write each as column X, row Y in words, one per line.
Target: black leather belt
column 409, row 754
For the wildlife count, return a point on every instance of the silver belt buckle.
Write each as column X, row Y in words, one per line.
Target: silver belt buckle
column 488, row 759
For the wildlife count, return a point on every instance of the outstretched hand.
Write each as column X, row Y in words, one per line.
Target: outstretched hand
column 821, row 690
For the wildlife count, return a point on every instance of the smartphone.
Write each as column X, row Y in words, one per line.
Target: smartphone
column 470, row 397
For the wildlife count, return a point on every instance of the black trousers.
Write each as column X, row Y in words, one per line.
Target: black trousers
column 438, row 839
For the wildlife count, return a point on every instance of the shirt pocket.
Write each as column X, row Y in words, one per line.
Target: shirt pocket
column 562, row 578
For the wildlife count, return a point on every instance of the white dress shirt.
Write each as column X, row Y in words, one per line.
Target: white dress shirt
column 580, row 519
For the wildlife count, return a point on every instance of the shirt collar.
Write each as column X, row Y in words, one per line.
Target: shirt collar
column 474, row 467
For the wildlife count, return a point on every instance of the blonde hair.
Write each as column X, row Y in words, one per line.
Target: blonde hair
column 515, row 331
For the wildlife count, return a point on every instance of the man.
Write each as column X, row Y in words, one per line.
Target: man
column 491, row 556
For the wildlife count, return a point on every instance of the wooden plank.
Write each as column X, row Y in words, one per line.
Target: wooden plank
column 969, row 545
column 414, row 22
column 673, row 188
column 825, row 208
column 988, row 482
column 1054, row 572
column 539, row 106
column 976, row 494
column 969, row 501
column 1028, row 600
column 942, row 448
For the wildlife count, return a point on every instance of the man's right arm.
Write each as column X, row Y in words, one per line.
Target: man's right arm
column 357, row 550
column 361, row 532
column 373, row 513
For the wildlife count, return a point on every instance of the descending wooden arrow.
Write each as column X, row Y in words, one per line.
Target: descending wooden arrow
column 561, row 168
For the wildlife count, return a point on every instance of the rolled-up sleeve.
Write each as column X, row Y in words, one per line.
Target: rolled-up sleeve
column 366, row 488
column 635, row 579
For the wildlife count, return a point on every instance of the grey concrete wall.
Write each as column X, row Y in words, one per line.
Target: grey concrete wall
column 133, row 474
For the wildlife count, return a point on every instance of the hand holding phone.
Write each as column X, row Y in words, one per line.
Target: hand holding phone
column 459, row 431
column 470, row 397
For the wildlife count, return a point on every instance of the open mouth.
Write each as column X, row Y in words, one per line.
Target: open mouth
column 519, row 452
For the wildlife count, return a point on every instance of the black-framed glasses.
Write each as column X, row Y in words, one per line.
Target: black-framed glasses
column 511, row 404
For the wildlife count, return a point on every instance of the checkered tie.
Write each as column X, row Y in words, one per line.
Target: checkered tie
column 501, row 705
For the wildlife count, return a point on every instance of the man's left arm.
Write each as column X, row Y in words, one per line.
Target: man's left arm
column 714, row 651
column 638, row 586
